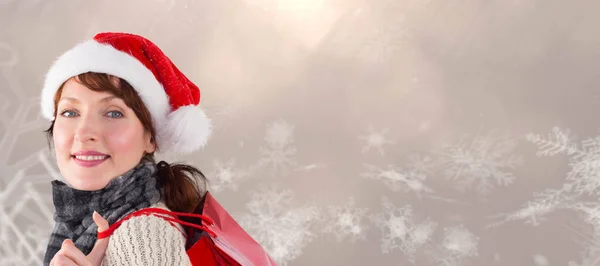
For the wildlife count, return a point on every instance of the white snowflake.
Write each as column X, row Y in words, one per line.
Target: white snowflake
column 282, row 229
column 482, row 163
column 457, row 245
column 533, row 212
column 398, row 179
column 225, row 176
column 460, row 242
column 590, row 256
column 23, row 242
column 421, row 164
column 400, row 231
column 310, row 167
column 375, row 140
column 540, row 260
column 376, row 33
column 584, row 160
column 382, row 42
column 280, row 134
column 585, row 168
column 229, row 110
column 590, row 213
column 558, row 141
column 279, row 151
column 234, row 107
column 346, row 222
column 25, row 213
column 582, row 179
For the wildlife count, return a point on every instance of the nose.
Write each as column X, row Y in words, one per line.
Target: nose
column 86, row 131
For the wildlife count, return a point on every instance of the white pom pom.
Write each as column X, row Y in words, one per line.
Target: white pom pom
column 187, row 129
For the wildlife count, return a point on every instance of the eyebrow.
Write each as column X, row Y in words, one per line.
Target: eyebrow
column 103, row 100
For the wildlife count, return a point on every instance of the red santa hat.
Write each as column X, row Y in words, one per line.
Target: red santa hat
column 172, row 99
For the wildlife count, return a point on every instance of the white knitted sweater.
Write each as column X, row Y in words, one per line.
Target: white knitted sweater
column 147, row 241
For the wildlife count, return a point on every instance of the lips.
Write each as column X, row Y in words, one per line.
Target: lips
column 89, row 158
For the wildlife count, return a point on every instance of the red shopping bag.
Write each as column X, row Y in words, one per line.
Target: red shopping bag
column 213, row 236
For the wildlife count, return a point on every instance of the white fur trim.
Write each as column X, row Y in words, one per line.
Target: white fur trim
column 183, row 131
column 187, row 130
column 91, row 56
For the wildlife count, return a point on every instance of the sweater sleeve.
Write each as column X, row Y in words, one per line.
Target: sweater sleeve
column 147, row 241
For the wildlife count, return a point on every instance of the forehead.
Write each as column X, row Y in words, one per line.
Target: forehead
column 74, row 89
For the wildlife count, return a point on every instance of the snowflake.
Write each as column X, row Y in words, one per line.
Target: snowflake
column 228, row 110
column 582, row 179
column 379, row 46
column 584, row 159
column 280, row 134
column 375, row 140
column 533, row 212
column 310, row 167
column 558, row 141
column 23, row 243
column 482, row 163
column 460, row 242
column 421, row 164
column 225, row 175
column 234, row 108
column 591, row 244
column 457, row 245
column 400, row 231
column 345, row 222
column 423, row 231
column 585, row 168
column 397, row 179
column 376, row 33
column 282, row 229
column 25, row 214
column 278, row 153
column 590, row 213
column 540, row 260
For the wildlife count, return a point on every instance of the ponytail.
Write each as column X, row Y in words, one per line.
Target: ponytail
column 180, row 186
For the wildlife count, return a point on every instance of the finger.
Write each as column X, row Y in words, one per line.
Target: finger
column 69, row 250
column 97, row 253
column 61, row 260
column 100, row 221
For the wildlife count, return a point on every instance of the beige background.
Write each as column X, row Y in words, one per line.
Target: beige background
column 350, row 132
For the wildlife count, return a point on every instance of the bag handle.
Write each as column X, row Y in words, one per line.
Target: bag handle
column 164, row 214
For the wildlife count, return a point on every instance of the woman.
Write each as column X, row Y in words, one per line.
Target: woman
column 113, row 102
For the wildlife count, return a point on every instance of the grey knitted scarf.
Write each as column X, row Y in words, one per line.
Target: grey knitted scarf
column 132, row 191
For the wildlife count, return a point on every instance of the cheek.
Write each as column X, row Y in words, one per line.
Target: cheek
column 125, row 138
column 62, row 137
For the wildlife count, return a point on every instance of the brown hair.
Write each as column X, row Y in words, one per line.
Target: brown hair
column 180, row 187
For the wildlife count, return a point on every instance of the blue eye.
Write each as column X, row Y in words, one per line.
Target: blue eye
column 114, row 114
column 68, row 113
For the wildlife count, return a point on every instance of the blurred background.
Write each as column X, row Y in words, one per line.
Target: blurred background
column 354, row 132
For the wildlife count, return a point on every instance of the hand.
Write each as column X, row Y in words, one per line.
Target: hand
column 69, row 255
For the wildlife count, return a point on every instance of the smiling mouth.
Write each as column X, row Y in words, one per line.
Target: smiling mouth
column 90, row 158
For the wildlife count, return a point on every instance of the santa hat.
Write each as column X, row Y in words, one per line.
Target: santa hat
column 172, row 99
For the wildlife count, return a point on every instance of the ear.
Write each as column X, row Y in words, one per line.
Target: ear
column 150, row 144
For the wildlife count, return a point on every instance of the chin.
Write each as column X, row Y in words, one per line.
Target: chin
column 87, row 187
column 91, row 183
